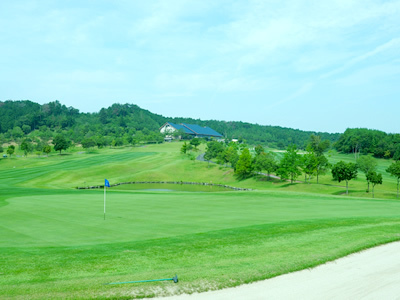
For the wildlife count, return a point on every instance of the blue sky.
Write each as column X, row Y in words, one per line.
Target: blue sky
column 312, row 65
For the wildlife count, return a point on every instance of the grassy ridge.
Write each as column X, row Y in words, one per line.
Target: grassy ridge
column 55, row 243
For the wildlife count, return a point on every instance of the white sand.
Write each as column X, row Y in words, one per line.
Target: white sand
column 370, row 274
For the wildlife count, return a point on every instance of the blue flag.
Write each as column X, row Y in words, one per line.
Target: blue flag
column 107, row 184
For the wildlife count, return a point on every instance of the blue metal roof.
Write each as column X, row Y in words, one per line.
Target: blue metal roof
column 202, row 131
column 194, row 129
column 181, row 127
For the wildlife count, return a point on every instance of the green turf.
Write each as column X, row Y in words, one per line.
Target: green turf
column 54, row 242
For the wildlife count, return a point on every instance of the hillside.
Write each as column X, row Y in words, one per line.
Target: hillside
column 129, row 123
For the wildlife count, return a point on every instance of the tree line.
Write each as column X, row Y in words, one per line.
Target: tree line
column 363, row 141
column 34, row 126
column 291, row 165
column 125, row 124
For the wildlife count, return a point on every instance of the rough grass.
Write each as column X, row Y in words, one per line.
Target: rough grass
column 54, row 242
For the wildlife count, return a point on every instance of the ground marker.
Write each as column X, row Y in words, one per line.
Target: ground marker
column 174, row 279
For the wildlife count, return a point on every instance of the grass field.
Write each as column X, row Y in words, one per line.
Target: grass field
column 54, row 242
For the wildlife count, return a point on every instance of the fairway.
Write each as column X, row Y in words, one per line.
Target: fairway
column 56, row 244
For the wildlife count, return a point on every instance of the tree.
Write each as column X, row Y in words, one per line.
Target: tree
column 374, row 178
column 195, row 142
column 88, row 143
column 259, row 149
column 318, row 145
column 244, row 166
column 213, row 149
column 46, row 149
column 322, row 166
column 60, row 143
column 184, row 148
column 266, row 162
column 366, row 164
column 394, row 170
column 232, row 156
column 26, row 147
column 11, row 150
column 309, row 164
column 342, row 171
column 289, row 166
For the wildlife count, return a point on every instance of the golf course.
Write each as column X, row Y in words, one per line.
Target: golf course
column 56, row 242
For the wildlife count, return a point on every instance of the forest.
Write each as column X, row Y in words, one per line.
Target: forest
column 128, row 124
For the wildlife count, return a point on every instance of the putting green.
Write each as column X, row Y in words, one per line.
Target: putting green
column 76, row 219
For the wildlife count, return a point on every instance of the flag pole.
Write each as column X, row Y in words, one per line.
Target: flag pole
column 106, row 185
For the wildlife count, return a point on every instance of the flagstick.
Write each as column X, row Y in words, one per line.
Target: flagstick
column 104, row 202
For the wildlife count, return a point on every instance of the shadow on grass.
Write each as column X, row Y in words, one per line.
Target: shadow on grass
column 343, row 192
column 270, row 179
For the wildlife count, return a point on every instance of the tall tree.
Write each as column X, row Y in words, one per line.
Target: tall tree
column 342, row 171
column 289, row 166
column 60, row 143
column 374, row 178
column 394, row 170
column 11, row 150
column 231, row 156
column 318, row 145
column 309, row 164
column 26, row 146
column 366, row 164
column 244, row 167
column 266, row 161
column 322, row 166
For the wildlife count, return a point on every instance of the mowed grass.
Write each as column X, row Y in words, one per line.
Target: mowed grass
column 54, row 242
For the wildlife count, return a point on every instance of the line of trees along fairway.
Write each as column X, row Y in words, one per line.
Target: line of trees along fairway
column 289, row 167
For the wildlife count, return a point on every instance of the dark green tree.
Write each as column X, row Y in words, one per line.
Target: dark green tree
column 244, row 166
column 213, row 149
column 374, row 178
column 195, row 142
column 394, row 170
column 60, row 143
column 46, row 149
column 366, row 164
column 266, row 161
column 289, row 166
column 88, row 143
column 11, row 150
column 342, row 171
column 26, row 146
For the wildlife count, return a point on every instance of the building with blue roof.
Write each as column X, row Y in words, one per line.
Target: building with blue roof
column 190, row 129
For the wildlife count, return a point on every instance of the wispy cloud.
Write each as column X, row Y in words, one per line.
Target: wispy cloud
column 392, row 44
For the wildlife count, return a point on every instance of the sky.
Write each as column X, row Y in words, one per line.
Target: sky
column 311, row 65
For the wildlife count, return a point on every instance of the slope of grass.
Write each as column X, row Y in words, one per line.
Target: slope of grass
column 54, row 242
